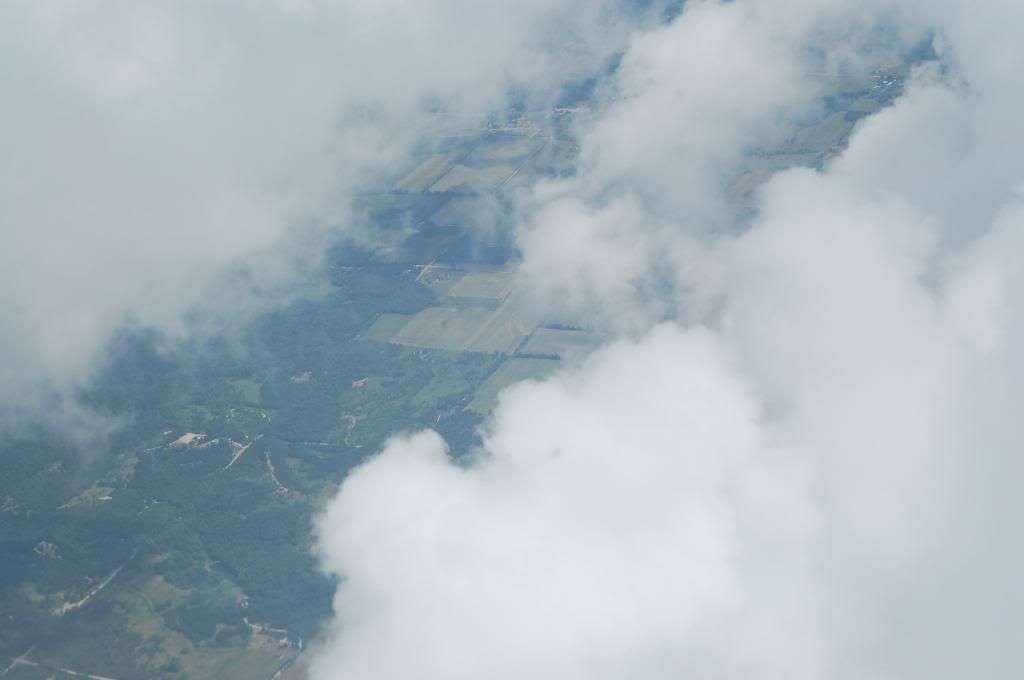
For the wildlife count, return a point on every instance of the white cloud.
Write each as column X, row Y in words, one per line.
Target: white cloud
column 690, row 101
column 153, row 150
column 819, row 481
column 592, row 539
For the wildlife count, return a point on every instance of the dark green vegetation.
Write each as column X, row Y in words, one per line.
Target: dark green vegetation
column 223, row 518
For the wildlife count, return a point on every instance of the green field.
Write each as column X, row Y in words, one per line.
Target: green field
column 560, row 343
column 247, row 390
column 483, row 328
column 490, row 285
column 505, row 331
column 500, row 148
column 440, row 279
column 511, row 371
column 473, row 178
column 425, row 174
column 446, row 328
column 457, row 212
column 822, row 136
column 386, row 326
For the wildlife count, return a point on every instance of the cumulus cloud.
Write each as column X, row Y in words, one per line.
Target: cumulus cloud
column 164, row 155
column 813, row 477
column 679, row 121
column 595, row 531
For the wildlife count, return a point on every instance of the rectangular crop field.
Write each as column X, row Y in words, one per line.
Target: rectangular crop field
column 506, row 147
column 425, row 174
column 442, row 328
column 512, row 371
column 440, row 278
column 560, row 343
column 386, row 326
column 492, row 285
column 466, row 178
column 460, row 211
column 504, row 331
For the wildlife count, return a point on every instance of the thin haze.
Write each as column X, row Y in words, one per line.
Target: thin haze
column 802, row 458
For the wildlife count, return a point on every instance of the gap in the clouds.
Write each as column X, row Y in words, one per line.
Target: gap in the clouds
column 226, row 440
column 822, row 132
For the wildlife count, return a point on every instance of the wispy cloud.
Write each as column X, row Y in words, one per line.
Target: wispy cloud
column 153, row 153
